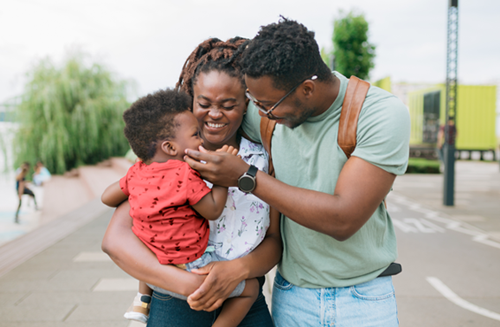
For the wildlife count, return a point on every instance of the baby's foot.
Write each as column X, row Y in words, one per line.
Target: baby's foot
column 139, row 310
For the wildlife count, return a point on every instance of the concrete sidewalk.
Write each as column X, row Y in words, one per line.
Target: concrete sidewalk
column 65, row 279
column 477, row 194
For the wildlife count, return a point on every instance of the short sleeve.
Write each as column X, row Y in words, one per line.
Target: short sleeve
column 251, row 123
column 383, row 134
column 196, row 188
column 124, row 180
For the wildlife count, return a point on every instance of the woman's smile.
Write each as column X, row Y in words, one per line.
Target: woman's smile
column 214, row 125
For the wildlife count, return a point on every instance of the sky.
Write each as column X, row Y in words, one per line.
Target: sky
column 148, row 41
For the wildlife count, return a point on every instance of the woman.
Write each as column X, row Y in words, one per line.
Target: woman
column 212, row 76
column 22, row 188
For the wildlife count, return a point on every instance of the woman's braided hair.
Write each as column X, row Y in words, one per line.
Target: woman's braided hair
column 212, row 54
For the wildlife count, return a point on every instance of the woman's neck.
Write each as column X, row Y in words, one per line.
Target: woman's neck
column 235, row 142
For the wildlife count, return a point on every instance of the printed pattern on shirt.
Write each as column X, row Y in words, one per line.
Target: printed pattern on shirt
column 161, row 196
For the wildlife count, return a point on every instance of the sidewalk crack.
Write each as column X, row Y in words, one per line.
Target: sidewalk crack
column 70, row 312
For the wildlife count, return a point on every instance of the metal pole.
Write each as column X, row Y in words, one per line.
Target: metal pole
column 451, row 105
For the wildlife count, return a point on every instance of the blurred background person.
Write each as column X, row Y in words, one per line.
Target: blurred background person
column 22, row 188
column 41, row 174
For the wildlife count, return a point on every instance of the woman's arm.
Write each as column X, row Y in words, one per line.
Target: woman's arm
column 223, row 276
column 135, row 258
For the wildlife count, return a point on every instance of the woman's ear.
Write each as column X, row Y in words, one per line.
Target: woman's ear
column 169, row 148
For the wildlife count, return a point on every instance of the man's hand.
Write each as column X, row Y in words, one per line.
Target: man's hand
column 220, row 168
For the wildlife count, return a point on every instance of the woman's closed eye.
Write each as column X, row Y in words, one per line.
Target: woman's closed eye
column 224, row 107
column 203, row 105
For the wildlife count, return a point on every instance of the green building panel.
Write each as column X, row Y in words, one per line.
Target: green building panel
column 475, row 121
column 384, row 84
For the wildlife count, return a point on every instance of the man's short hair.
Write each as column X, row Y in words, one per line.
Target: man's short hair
column 287, row 52
column 151, row 119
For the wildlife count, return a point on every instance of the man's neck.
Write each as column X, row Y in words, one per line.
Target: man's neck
column 327, row 94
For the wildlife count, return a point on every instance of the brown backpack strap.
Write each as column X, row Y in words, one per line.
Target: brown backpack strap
column 354, row 98
column 353, row 102
column 266, row 132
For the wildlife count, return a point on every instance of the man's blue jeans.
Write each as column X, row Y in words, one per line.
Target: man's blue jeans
column 368, row 304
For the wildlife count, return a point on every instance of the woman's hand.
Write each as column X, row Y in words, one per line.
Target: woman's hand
column 222, row 278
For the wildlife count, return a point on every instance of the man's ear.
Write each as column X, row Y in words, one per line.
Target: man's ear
column 169, row 148
column 308, row 88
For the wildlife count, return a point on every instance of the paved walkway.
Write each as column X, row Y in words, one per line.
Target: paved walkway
column 56, row 275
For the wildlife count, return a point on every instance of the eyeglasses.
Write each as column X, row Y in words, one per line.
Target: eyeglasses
column 268, row 113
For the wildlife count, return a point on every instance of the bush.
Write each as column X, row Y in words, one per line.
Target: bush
column 422, row 166
column 70, row 115
column 353, row 53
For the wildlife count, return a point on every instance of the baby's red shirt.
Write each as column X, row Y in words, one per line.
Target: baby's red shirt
column 161, row 196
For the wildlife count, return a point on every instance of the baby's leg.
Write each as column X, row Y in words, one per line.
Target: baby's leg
column 144, row 288
column 139, row 310
column 235, row 309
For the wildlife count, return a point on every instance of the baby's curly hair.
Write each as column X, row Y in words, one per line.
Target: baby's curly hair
column 151, row 119
column 213, row 54
column 287, row 52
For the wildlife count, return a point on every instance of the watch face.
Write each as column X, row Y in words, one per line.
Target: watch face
column 246, row 183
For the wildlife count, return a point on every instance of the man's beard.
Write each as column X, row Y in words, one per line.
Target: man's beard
column 300, row 117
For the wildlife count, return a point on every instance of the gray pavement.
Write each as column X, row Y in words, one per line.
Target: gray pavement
column 68, row 281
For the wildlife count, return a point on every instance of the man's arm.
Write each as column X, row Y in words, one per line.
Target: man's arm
column 360, row 189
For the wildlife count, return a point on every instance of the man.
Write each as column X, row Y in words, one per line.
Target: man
column 337, row 235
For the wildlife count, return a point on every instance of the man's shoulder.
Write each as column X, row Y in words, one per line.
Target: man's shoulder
column 377, row 96
column 382, row 104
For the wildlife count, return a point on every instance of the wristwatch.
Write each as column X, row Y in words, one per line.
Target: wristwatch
column 247, row 182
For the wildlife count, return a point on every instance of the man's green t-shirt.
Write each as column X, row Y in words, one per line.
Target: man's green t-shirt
column 309, row 157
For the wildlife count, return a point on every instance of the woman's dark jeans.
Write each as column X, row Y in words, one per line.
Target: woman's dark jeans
column 167, row 311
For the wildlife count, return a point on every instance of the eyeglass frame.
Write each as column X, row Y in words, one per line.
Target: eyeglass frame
column 268, row 113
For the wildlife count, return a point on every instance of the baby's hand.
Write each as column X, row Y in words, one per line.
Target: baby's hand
column 229, row 149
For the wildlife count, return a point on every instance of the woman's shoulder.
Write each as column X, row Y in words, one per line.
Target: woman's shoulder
column 254, row 154
column 250, row 147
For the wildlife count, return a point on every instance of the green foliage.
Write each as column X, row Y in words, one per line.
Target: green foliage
column 353, row 53
column 70, row 115
column 327, row 57
column 422, row 166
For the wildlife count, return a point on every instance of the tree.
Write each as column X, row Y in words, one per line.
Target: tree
column 353, row 53
column 70, row 115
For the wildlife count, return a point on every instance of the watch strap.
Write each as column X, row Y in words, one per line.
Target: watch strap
column 252, row 170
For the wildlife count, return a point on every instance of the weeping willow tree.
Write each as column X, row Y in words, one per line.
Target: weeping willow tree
column 70, row 115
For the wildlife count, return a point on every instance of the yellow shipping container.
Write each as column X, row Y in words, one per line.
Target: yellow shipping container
column 475, row 121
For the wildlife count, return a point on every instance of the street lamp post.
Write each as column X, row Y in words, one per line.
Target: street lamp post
column 451, row 105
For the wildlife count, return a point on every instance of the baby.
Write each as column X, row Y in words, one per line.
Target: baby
column 169, row 201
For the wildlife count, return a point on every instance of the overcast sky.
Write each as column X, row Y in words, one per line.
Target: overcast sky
column 148, row 41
